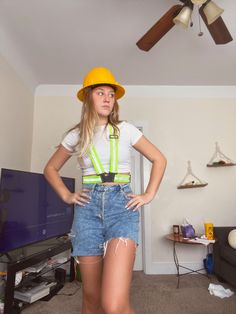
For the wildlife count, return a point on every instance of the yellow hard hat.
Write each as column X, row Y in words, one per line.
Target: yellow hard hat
column 99, row 76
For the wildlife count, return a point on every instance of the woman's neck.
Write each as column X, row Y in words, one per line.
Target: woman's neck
column 102, row 121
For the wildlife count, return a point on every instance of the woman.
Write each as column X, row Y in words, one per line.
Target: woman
column 106, row 219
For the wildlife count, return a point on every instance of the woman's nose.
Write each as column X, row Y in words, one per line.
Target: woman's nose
column 106, row 98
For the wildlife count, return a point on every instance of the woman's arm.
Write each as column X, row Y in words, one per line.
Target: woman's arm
column 51, row 172
column 158, row 160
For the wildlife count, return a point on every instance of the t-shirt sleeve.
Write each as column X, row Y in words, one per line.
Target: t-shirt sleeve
column 135, row 133
column 71, row 140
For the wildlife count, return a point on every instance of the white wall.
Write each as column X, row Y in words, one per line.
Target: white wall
column 184, row 123
column 53, row 116
column 16, row 112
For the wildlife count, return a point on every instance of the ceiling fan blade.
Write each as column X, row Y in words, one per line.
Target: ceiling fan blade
column 217, row 29
column 158, row 30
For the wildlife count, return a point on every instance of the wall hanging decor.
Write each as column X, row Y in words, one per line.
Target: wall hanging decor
column 219, row 159
column 190, row 180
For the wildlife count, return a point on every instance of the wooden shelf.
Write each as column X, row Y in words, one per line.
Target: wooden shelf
column 191, row 181
column 192, row 186
column 221, row 165
column 219, row 159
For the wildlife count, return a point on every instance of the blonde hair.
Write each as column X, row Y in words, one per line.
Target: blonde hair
column 89, row 120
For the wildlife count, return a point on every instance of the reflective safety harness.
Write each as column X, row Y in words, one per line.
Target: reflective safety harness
column 102, row 176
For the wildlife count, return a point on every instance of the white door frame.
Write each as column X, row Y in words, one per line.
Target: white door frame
column 146, row 211
column 136, row 184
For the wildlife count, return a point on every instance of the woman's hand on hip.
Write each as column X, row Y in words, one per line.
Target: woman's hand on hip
column 138, row 200
column 80, row 198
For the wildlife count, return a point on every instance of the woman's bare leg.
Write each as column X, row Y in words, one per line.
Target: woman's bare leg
column 91, row 274
column 117, row 274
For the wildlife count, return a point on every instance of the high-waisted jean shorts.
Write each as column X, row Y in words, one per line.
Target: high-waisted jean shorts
column 102, row 219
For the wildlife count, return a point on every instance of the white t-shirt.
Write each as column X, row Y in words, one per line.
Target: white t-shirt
column 129, row 135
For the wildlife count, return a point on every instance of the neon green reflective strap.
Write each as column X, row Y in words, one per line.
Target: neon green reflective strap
column 113, row 150
column 125, row 178
column 91, row 179
column 113, row 154
column 96, row 160
column 122, row 178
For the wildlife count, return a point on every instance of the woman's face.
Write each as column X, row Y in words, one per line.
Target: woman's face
column 103, row 100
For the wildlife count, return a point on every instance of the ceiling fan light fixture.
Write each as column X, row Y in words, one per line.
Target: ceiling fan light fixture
column 212, row 11
column 184, row 16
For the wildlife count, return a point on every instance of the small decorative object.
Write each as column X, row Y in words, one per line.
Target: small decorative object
column 187, row 230
column 209, row 231
column 176, row 230
column 190, row 180
column 232, row 238
column 219, row 159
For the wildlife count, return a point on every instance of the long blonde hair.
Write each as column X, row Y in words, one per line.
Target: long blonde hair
column 89, row 120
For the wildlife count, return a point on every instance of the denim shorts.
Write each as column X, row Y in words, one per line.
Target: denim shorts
column 103, row 218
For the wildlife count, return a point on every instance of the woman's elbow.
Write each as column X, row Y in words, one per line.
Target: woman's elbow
column 47, row 170
column 164, row 162
column 161, row 160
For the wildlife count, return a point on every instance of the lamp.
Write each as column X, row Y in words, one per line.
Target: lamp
column 212, row 11
column 198, row 2
column 184, row 15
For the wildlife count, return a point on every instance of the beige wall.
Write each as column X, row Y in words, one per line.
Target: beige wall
column 53, row 116
column 184, row 123
column 16, row 112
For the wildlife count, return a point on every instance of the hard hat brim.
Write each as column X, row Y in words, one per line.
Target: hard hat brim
column 119, row 90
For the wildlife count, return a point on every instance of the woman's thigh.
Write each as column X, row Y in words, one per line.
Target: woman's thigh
column 91, row 274
column 117, row 272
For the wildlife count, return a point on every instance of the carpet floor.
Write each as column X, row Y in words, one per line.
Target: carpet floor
column 150, row 294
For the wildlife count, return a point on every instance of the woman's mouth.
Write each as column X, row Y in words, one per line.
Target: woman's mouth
column 106, row 107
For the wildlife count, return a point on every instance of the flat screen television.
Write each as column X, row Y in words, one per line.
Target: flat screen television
column 30, row 210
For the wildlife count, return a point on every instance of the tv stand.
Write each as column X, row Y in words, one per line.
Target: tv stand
column 8, row 256
column 14, row 265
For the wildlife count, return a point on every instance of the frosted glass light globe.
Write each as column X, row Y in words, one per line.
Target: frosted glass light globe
column 198, row 2
column 232, row 238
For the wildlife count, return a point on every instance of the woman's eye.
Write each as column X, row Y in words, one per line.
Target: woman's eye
column 110, row 95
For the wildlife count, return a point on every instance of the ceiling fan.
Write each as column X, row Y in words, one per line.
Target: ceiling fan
column 181, row 14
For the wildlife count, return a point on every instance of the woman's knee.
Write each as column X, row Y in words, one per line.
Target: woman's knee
column 91, row 272
column 92, row 299
column 113, row 306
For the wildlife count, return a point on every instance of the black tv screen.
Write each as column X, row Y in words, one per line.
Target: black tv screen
column 30, row 210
